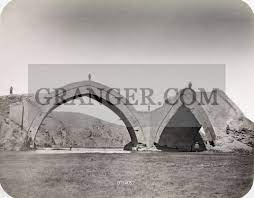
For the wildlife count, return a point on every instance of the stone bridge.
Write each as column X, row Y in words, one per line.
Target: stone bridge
column 143, row 126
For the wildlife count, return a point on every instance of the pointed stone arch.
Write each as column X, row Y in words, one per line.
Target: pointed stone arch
column 103, row 94
column 196, row 109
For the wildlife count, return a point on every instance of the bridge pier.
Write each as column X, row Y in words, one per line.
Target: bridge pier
column 148, row 136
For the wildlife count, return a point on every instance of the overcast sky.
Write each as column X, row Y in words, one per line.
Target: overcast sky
column 127, row 32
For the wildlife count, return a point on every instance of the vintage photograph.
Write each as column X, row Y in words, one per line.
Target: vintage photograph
column 126, row 99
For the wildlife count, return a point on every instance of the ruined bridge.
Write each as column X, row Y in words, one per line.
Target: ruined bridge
column 143, row 127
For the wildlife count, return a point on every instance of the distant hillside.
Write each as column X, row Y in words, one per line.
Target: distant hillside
column 80, row 130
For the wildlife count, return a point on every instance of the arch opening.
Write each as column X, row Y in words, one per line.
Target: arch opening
column 182, row 133
column 111, row 107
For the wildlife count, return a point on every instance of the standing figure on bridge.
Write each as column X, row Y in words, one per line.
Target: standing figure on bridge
column 11, row 90
column 89, row 77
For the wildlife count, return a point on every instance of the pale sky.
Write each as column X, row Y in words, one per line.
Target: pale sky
column 128, row 36
column 134, row 48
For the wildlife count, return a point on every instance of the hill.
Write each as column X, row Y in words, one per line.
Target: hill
column 80, row 130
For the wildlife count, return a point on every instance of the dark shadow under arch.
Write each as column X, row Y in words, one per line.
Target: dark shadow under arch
column 182, row 133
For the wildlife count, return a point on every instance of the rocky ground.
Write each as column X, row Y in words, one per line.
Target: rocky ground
column 80, row 130
column 236, row 139
column 11, row 136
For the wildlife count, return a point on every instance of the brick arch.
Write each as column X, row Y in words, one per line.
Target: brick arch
column 103, row 94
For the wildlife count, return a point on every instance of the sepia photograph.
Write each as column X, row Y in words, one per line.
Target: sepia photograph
column 122, row 99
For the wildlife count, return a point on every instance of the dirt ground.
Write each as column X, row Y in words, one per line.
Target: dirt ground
column 33, row 175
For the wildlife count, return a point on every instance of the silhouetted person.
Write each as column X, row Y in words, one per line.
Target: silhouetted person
column 70, row 147
column 11, row 90
column 89, row 77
